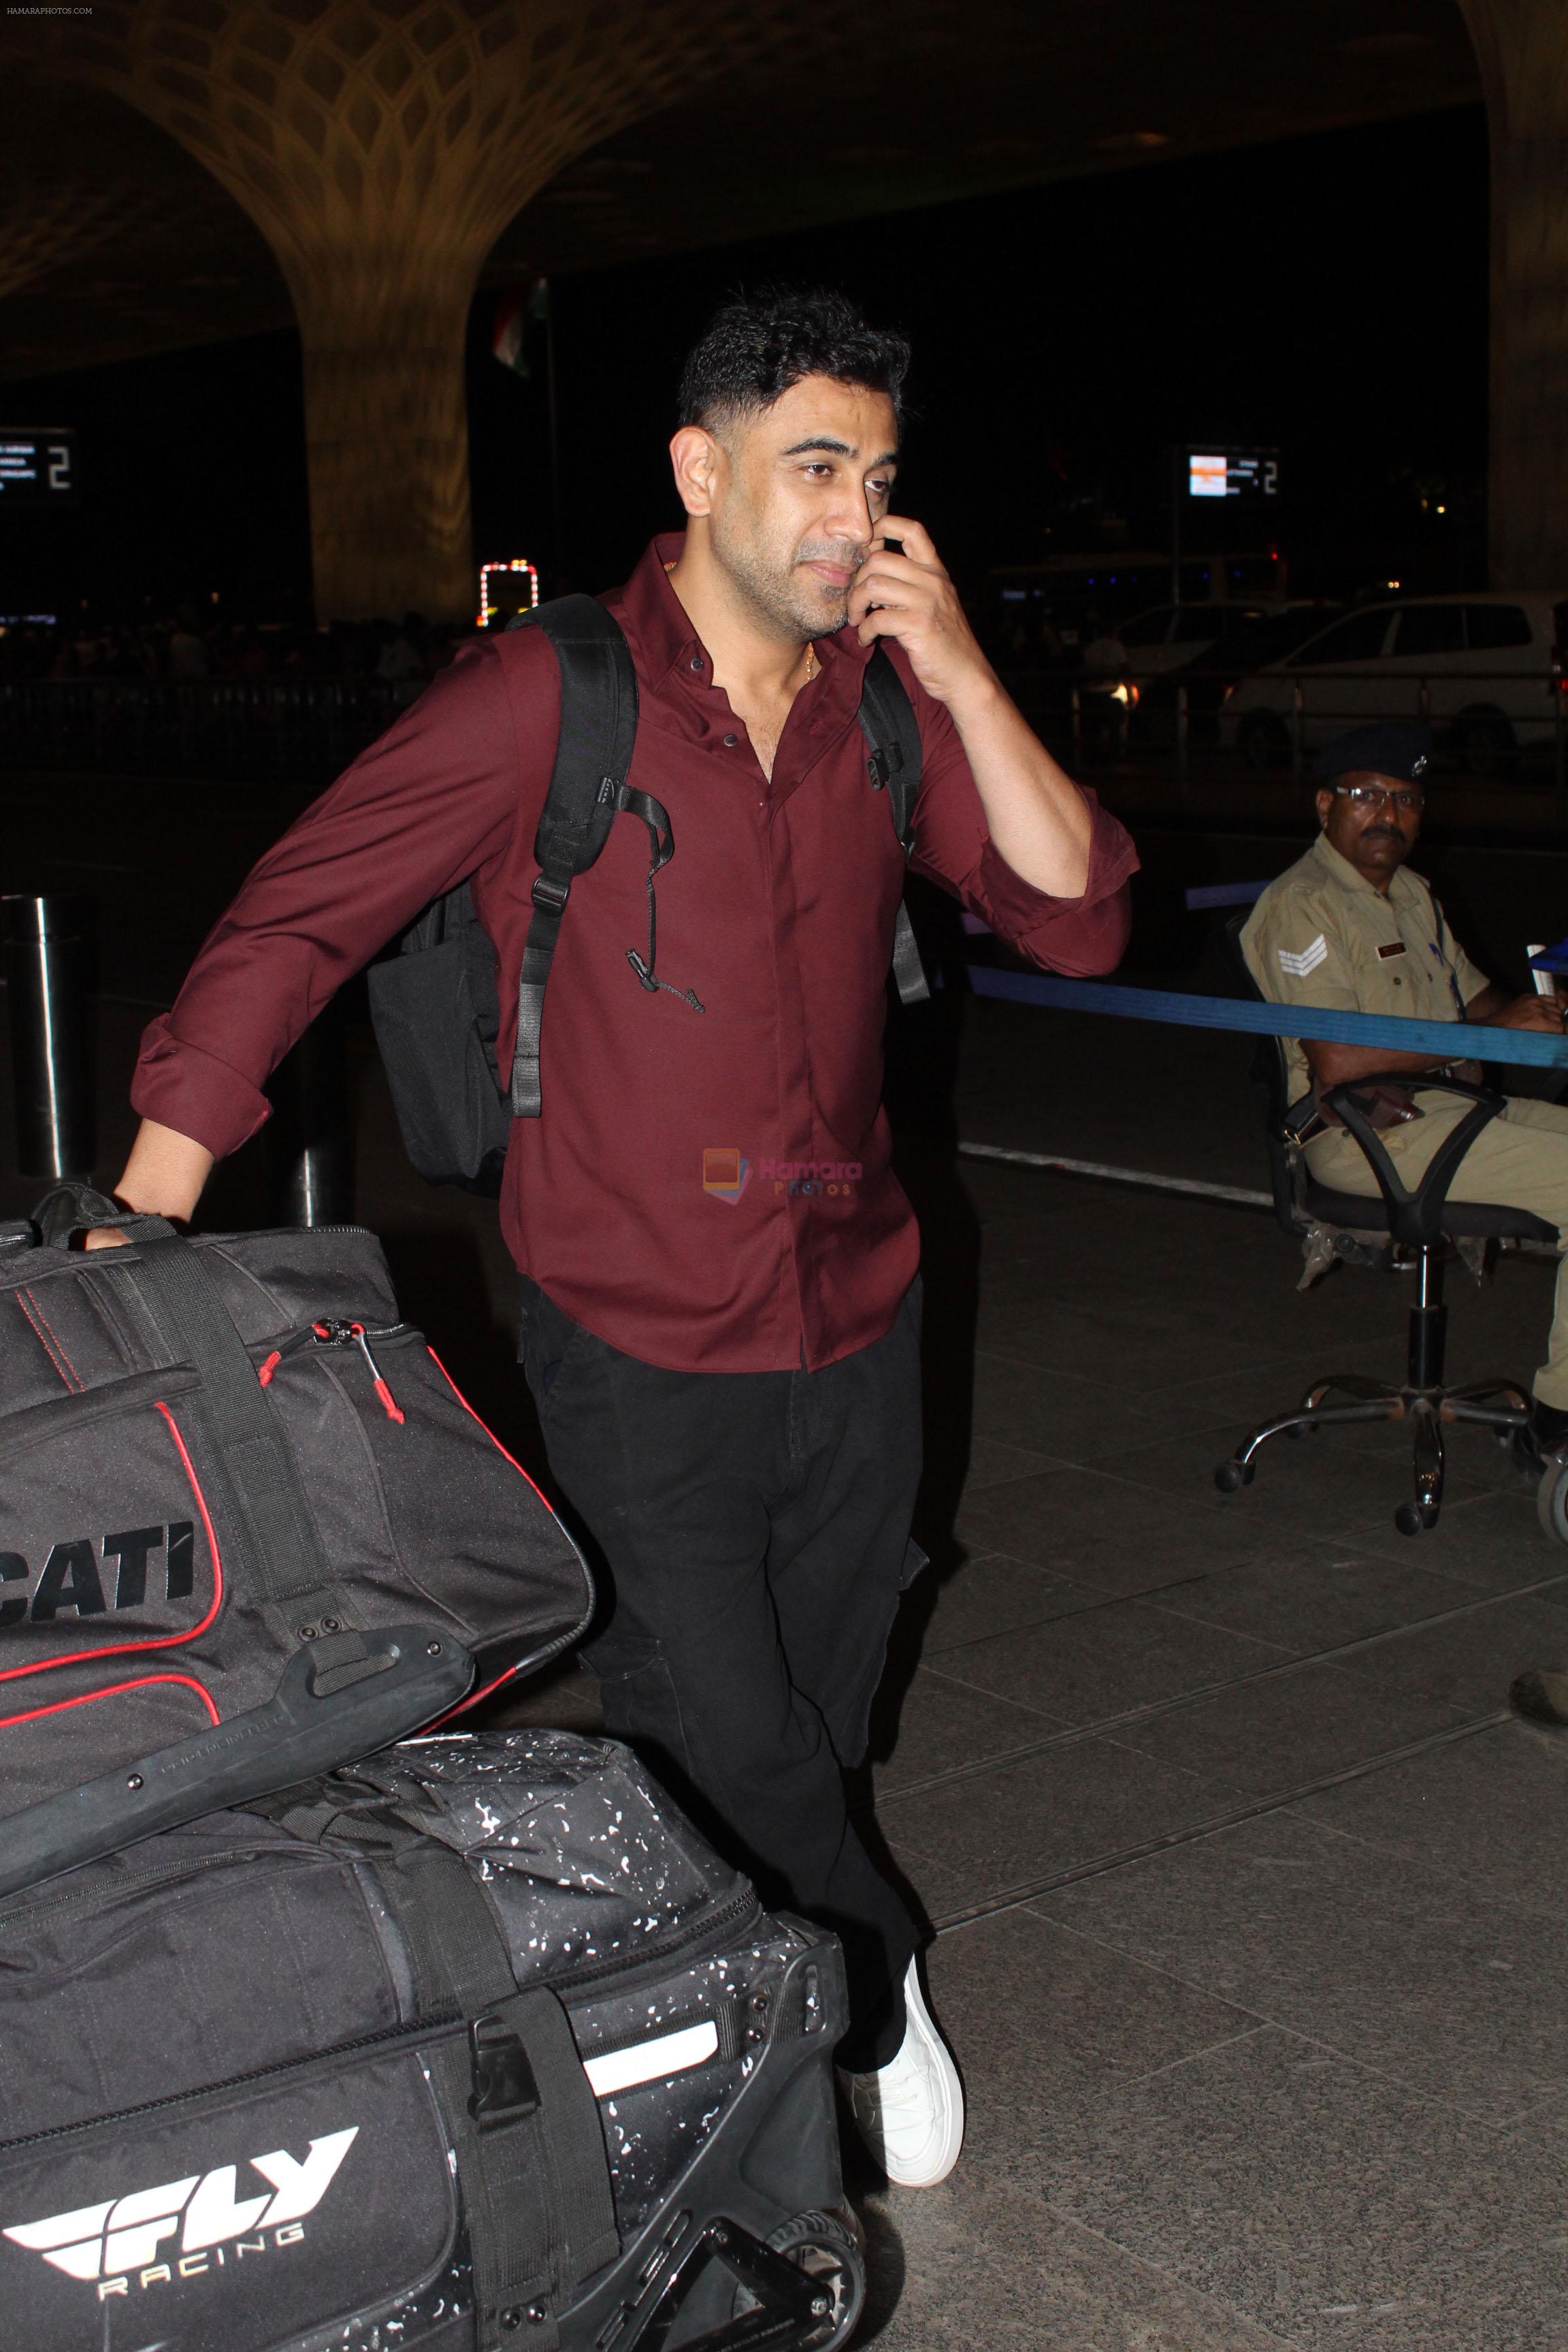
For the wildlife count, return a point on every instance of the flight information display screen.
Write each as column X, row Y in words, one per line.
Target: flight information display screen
column 38, row 466
column 1236, row 474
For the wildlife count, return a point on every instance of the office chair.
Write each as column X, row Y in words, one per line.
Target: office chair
column 1396, row 1230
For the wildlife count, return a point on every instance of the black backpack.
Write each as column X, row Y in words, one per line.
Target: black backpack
column 434, row 1004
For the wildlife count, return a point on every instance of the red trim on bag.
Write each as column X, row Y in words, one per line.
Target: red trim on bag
column 155, row 1641
column 56, row 1354
column 473, row 1698
column 115, row 1690
column 489, row 1433
column 74, row 1378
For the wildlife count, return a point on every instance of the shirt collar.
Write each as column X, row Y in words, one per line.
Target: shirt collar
column 661, row 627
column 1339, row 869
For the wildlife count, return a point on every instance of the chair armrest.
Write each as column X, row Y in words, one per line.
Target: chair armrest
column 1416, row 1218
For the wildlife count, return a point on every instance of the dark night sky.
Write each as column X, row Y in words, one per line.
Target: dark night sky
column 1326, row 294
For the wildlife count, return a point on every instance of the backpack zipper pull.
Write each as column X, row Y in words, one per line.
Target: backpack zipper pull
column 389, row 1404
column 351, row 1335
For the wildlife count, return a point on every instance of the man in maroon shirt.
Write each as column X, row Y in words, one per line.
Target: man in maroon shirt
column 719, row 1271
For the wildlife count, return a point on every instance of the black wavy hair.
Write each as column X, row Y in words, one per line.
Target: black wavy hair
column 757, row 345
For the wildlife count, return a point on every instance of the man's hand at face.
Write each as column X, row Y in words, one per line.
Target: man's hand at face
column 917, row 604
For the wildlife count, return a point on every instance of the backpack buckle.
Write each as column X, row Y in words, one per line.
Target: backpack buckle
column 504, row 2088
column 546, row 893
column 882, row 764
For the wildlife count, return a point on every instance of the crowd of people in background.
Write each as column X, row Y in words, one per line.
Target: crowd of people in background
column 187, row 644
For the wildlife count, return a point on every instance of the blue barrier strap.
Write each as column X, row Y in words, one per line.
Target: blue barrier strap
column 1224, row 894
column 1552, row 959
column 1482, row 1040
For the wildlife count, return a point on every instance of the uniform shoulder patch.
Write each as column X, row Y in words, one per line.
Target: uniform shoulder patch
column 1299, row 962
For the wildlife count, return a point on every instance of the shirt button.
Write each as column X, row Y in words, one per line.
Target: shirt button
column 696, row 661
column 731, row 741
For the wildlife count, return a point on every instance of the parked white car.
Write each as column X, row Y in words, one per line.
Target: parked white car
column 1485, row 670
column 1169, row 637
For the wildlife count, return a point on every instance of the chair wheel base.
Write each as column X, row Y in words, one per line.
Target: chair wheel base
column 1232, row 1476
column 1552, row 1500
column 1411, row 1519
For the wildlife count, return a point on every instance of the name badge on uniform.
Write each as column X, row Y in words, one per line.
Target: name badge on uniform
column 1396, row 947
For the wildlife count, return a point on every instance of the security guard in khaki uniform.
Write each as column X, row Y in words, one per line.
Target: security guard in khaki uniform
column 1349, row 928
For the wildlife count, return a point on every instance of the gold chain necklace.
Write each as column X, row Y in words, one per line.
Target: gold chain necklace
column 812, row 664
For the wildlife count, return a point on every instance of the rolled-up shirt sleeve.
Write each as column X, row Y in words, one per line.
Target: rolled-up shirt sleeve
column 953, row 847
column 425, row 807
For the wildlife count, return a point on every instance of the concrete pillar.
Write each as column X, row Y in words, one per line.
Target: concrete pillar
column 1523, row 47
column 381, row 146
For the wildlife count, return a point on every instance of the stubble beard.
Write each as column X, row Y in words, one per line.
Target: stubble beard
column 775, row 590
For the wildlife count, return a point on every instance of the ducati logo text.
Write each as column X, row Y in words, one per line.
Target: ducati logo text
column 187, row 2229
column 78, row 1575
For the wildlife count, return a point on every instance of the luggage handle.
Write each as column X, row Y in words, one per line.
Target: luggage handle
column 311, row 1723
column 75, row 1208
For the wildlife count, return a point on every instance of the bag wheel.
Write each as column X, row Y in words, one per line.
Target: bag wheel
column 830, row 2248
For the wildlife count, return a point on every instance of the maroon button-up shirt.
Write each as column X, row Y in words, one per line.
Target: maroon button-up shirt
column 776, row 911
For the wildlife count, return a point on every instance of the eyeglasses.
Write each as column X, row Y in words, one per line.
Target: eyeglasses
column 1375, row 796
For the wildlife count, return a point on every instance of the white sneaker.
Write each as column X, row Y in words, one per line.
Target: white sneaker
column 909, row 2113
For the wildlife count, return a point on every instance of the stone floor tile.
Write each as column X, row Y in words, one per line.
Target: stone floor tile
column 1030, row 2007
column 1272, row 1736
column 941, row 1724
column 1470, row 1661
column 1012, row 1823
column 1100, row 1663
column 1478, row 1810
column 1317, row 1601
column 1122, row 1537
column 1412, row 1972
column 976, row 2266
column 1318, row 2199
column 992, row 1593
column 1056, row 1409
column 992, row 1462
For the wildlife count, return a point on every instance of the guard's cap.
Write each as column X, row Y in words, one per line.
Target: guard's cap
column 1400, row 749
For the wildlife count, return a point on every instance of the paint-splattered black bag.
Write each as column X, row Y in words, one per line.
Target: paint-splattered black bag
column 248, row 1529
column 477, row 2046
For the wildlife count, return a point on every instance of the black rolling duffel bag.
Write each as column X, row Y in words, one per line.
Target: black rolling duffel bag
column 248, row 1529
column 474, row 2047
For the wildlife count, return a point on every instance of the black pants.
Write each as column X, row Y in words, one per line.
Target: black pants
column 755, row 1527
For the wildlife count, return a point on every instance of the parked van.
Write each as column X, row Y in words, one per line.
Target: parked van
column 1485, row 670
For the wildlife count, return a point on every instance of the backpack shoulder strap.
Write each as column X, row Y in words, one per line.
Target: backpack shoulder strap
column 892, row 732
column 593, row 753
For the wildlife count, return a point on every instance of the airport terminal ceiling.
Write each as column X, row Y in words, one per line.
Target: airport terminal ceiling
column 119, row 242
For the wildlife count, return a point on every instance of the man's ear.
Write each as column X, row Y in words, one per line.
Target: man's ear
column 1325, row 803
column 696, row 458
